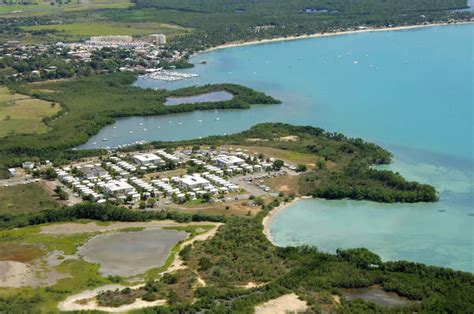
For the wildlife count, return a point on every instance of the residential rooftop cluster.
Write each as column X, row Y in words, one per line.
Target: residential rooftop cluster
column 162, row 175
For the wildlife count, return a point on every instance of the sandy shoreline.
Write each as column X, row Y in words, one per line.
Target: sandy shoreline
column 316, row 35
column 267, row 220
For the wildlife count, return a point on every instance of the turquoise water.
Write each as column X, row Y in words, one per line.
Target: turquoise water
column 439, row 233
column 417, row 92
column 410, row 91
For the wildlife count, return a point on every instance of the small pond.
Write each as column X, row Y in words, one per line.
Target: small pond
column 207, row 97
column 376, row 295
column 131, row 253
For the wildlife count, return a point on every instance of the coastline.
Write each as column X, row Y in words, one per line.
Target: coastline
column 339, row 33
column 267, row 220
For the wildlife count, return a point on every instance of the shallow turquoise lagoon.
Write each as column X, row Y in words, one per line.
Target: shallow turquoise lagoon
column 410, row 91
column 431, row 234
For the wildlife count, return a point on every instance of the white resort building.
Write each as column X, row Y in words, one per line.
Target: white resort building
column 192, row 182
column 148, row 159
column 226, row 161
column 157, row 39
column 116, row 188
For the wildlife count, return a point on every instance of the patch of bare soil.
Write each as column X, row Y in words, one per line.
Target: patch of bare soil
column 16, row 274
column 251, row 285
column 289, row 138
column 86, row 301
column 284, row 304
column 256, row 140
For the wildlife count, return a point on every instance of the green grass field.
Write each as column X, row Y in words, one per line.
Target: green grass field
column 21, row 114
column 286, row 155
column 25, row 198
column 103, row 29
column 42, row 9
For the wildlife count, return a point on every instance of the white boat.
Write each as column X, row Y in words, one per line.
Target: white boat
column 218, row 118
column 199, row 121
column 95, row 143
column 180, row 123
column 144, row 130
column 130, row 132
column 105, row 139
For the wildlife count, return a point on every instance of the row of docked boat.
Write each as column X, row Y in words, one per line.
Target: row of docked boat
column 169, row 76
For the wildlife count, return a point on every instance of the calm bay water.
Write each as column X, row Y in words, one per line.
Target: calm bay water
column 410, row 91
column 207, row 97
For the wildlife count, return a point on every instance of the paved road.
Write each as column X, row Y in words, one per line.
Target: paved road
column 74, row 198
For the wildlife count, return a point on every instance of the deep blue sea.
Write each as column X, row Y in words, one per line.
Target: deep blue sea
column 410, row 91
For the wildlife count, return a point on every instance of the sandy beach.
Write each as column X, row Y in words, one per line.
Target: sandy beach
column 267, row 220
column 364, row 30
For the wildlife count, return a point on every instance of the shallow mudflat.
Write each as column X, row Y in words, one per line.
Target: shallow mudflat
column 207, row 97
column 74, row 227
column 377, row 295
column 131, row 253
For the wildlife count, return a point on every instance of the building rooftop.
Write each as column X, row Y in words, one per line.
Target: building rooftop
column 193, row 180
column 229, row 159
column 146, row 157
column 115, row 185
column 90, row 171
